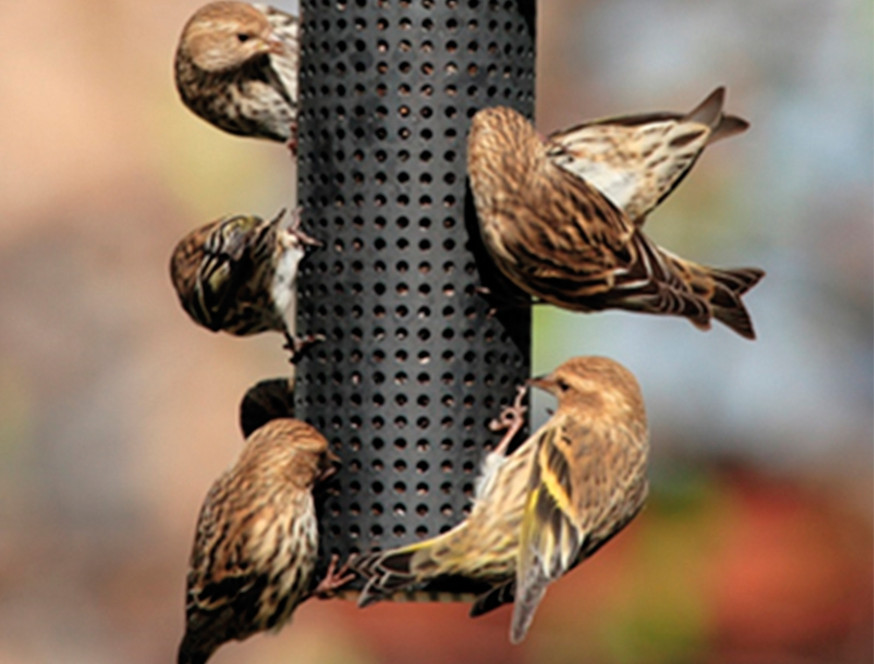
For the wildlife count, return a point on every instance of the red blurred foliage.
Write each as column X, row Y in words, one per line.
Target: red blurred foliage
column 795, row 581
column 434, row 633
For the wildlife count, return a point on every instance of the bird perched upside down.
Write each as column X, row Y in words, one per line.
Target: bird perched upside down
column 236, row 67
column 540, row 511
column 256, row 545
column 562, row 217
column 237, row 274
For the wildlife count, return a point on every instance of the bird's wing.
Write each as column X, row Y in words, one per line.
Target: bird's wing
column 575, row 242
column 229, row 265
column 224, row 591
column 568, row 494
column 638, row 160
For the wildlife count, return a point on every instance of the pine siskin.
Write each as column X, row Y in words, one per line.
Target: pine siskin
column 588, row 479
column 236, row 67
column 267, row 400
column 545, row 507
column 256, row 543
column 487, row 532
column 637, row 160
column 561, row 239
column 237, row 274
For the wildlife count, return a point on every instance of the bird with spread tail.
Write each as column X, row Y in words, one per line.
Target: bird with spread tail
column 256, row 544
column 237, row 274
column 562, row 216
column 544, row 508
column 236, row 67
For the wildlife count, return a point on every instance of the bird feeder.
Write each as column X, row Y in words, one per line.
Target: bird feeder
column 416, row 360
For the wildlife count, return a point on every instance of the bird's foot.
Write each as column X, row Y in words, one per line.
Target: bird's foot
column 334, row 578
column 299, row 345
column 296, row 231
column 292, row 142
column 502, row 300
column 511, row 420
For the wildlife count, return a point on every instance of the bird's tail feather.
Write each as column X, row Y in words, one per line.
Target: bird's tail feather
column 386, row 573
column 413, row 574
column 191, row 652
column 709, row 112
column 699, row 292
column 524, row 608
column 725, row 301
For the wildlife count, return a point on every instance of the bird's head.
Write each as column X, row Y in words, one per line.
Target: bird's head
column 500, row 129
column 582, row 380
column 293, row 450
column 223, row 36
column 503, row 153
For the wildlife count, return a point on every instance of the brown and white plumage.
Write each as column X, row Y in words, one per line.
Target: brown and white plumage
column 256, row 543
column 562, row 240
column 237, row 274
column 539, row 511
column 636, row 161
column 236, row 66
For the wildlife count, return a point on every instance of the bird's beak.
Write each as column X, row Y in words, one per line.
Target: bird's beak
column 330, row 464
column 275, row 47
column 545, row 383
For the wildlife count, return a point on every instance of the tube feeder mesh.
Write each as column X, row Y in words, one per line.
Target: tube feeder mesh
column 413, row 366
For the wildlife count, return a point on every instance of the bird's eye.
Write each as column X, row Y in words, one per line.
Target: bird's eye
column 242, row 37
column 563, row 386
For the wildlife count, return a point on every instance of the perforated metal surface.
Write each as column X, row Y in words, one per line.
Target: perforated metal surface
column 413, row 367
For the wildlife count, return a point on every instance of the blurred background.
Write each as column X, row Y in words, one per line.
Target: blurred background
column 116, row 412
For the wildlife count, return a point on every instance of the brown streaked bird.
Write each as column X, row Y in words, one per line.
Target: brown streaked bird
column 236, row 67
column 256, row 543
column 562, row 240
column 637, row 160
column 481, row 548
column 588, row 478
column 267, row 400
column 237, row 274
column 544, row 508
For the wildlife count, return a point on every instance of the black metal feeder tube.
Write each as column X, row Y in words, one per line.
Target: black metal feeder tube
column 414, row 365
